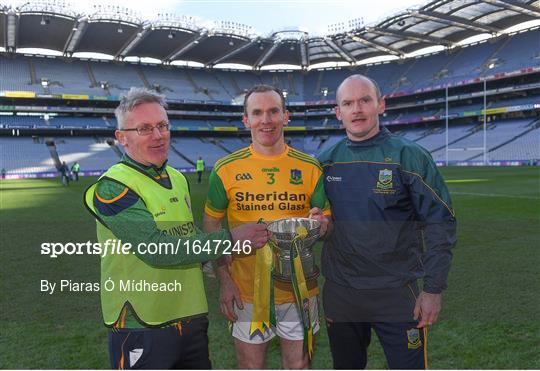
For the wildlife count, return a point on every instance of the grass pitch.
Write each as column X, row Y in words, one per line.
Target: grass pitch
column 490, row 310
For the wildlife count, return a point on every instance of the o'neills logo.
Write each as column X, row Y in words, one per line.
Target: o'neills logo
column 248, row 201
column 270, row 170
column 330, row 178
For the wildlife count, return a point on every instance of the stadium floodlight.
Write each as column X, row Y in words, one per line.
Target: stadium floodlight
column 116, row 13
column 45, row 20
column 290, row 34
column 232, row 28
column 56, row 7
column 342, row 27
column 172, row 21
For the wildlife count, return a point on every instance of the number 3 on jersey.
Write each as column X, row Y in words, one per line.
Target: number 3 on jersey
column 271, row 179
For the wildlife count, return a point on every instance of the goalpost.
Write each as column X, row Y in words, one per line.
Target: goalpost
column 483, row 149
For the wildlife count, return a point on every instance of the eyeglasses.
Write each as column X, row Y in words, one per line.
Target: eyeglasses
column 149, row 129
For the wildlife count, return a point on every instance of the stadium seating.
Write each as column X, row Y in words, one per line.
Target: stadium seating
column 119, row 77
column 15, row 74
column 498, row 132
column 91, row 155
column 23, row 155
column 521, row 50
column 526, row 147
column 21, row 121
column 192, row 148
column 84, row 122
column 507, row 53
column 509, row 139
column 65, row 77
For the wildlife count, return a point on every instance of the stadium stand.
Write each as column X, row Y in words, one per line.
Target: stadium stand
column 92, row 155
column 25, row 155
column 21, row 121
column 117, row 79
column 223, row 86
column 77, row 122
column 192, row 148
column 64, row 96
column 15, row 74
column 525, row 147
column 64, row 76
column 519, row 51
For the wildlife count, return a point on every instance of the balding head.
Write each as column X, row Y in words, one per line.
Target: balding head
column 359, row 104
column 360, row 77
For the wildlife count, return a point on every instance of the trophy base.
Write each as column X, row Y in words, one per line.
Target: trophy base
column 287, row 279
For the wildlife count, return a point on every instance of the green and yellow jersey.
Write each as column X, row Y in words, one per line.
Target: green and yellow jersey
column 247, row 186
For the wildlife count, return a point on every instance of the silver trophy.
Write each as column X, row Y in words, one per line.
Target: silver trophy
column 286, row 233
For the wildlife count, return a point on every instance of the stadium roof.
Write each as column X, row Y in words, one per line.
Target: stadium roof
column 121, row 33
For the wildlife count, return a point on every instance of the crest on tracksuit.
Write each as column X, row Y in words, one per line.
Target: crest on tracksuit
column 413, row 339
column 385, row 179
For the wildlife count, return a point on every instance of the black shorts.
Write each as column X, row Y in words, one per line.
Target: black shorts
column 172, row 347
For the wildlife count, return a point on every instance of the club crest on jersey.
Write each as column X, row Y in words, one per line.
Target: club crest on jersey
column 385, row 179
column 385, row 183
column 296, row 177
column 413, row 339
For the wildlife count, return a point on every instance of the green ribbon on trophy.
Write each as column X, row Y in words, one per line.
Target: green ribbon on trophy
column 264, row 311
column 263, row 292
column 301, row 293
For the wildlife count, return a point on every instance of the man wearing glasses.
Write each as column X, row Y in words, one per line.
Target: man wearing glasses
column 153, row 300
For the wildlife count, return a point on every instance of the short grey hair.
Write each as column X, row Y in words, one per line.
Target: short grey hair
column 133, row 98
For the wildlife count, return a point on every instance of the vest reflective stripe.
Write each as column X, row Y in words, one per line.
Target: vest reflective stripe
column 171, row 210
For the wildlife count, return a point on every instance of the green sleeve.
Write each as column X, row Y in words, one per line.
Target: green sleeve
column 132, row 222
column 417, row 160
column 318, row 198
column 216, row 200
